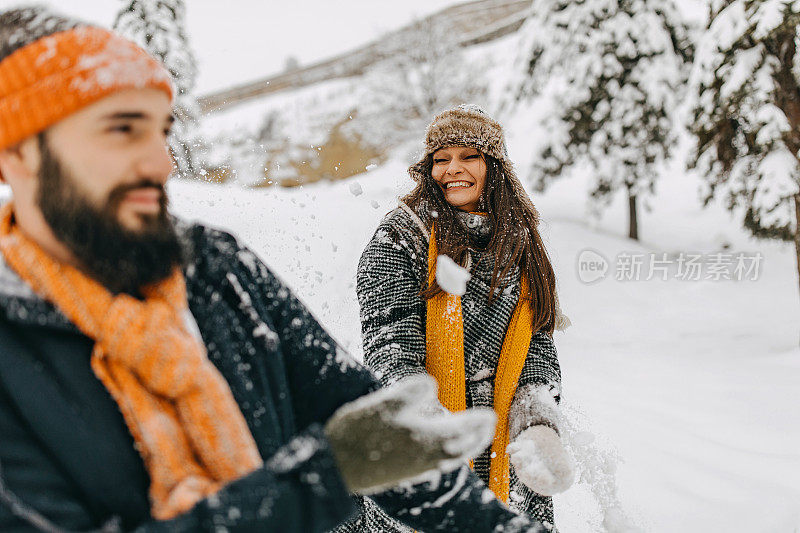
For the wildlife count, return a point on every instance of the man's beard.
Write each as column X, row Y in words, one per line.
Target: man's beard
column 122, row 260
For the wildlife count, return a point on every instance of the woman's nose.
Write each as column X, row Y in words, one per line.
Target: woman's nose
column 454, row 167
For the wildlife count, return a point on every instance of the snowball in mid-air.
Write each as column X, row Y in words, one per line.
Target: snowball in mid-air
column 355, row 189
column 451, row 277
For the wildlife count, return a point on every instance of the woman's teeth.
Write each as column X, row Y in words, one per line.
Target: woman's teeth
column 454, row 184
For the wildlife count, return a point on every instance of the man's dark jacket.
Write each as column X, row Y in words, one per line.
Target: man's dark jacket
column 68, row 462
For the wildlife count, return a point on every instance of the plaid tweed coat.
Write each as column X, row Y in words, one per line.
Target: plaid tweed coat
column 390, row 276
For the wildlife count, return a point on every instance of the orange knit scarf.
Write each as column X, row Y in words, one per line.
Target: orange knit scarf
column 178, row 407
column 444, row 340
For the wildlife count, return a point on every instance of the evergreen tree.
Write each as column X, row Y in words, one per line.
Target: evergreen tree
column 613, row 72
column 159, row 26
column 746, row 120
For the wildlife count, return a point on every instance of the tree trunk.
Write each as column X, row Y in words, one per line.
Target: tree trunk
column 797, row 233
column 787, row 98
column 787, row 95
column 633, row 221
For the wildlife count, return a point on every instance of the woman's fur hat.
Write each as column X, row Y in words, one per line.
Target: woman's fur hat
column 469, row 125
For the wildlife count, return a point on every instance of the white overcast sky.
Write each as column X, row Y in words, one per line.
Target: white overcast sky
column 241, row 40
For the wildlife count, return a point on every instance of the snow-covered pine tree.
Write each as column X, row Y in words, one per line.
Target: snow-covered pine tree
column 610, row 74
column 160, row 27
column 423, row 73
column 747, row 117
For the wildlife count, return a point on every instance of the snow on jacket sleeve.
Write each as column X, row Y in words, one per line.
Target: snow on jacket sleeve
column 298, row 490
column 454, row 502
column 392, row 311
column 539, row 389
column 322, row 376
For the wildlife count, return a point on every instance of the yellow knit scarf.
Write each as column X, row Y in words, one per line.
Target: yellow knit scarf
column 444, row 340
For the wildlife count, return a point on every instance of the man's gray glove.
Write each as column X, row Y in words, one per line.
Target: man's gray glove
column 384, row 438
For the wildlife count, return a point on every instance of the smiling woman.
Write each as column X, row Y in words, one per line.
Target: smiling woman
column 492, row 345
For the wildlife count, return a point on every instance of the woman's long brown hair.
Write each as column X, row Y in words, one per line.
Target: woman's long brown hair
column 515, row 238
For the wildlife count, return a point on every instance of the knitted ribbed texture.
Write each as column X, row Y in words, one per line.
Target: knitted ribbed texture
column 53, row 77
column 444, row 341
column 445, row 362
column 509, row 367
column 178, row 407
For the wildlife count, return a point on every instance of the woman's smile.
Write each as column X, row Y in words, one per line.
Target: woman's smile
column 457, row 184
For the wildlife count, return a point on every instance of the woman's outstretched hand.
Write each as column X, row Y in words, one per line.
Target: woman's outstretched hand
column 540, row 460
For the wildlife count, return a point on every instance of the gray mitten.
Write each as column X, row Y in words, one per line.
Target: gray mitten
column 383, row 438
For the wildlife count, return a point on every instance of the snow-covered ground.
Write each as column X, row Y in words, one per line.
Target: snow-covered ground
column 693, row 383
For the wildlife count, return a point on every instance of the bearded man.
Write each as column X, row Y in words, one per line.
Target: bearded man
column 156, row 375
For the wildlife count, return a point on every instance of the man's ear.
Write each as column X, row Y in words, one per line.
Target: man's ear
column 20, row 161
column 4, row 163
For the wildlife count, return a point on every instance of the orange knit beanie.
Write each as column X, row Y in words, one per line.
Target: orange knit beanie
column 53, row 77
